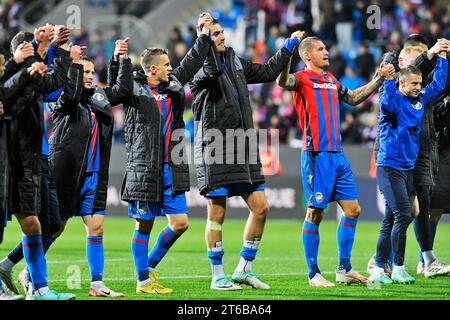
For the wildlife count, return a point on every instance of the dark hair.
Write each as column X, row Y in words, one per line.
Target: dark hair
column 409, row 70
column 415, row 39
column 215, row 21
column 87, row 58
column 19, row 38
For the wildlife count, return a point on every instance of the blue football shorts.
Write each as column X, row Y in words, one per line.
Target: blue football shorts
column 172, row 203
column 326, row 177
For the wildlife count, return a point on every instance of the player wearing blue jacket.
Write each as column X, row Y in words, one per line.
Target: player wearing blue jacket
column 401, row 113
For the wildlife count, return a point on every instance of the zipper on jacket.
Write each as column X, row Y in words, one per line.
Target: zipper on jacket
column 207, row 173
column 233, row 71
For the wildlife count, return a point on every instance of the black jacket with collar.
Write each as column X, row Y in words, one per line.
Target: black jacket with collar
column 71, row 136
column 144, row 140
column 221, row 102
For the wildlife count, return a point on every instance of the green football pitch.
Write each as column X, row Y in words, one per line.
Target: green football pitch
column 186, row 269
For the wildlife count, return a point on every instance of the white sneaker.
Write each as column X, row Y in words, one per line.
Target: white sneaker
column 224, row 284
column 104, row 291
column 436, row 268
column 370, row 265
column 319, row 281
column 420, row 267
column 350, row 277
column 250, row 278
column 4, row 295
column 24, row 279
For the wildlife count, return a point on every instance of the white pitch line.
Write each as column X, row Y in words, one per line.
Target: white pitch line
column 282, row 274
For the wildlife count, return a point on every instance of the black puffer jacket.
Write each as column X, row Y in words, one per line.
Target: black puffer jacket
column 144, row 139
column 27, row 130
column 69, row 142
column 221, row 102
column 8, row 93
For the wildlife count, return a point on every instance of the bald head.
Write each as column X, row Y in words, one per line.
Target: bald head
column 313, row 52
column 306, row 45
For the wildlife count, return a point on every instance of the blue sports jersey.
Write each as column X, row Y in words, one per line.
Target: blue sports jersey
column 401, row 120
column 93, row 160
column 45, row 146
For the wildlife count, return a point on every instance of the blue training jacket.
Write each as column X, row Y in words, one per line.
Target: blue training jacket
column 401, row 120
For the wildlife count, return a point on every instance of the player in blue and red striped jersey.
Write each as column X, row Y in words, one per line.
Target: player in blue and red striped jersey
column 326, row 173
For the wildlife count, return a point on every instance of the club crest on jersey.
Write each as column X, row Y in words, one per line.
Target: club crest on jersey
column 98, row 96
column 417, row 105
column 324, row 86
column 319, row 197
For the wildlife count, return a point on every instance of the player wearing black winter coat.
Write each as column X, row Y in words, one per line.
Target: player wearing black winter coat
column 72, row 129
column 144, row 140
column 221, row 102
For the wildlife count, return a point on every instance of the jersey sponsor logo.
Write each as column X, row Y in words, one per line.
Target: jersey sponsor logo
column 99, row 96
column 417, row 105
column 319, row 197
column 324, row 86
column 160, row 97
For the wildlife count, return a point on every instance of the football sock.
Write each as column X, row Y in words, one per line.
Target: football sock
column 165, row 240
column 95, row 257
column 34, row 256
column 7, row 264
column 311, row 239
column 15, row 255
column 248, row 254
column 345, row 238
column 215, row 258
column 428, row 257
column 433, row 228
column 139, row 248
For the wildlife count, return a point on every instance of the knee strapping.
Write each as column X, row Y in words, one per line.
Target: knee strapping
column 213, row 225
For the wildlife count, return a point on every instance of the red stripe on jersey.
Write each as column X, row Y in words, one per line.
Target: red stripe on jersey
column 324, row 97
column 94, row 138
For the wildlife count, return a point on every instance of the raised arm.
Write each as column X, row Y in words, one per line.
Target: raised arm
column 119, row 88
column 196, row 56
column 355, row 97
column 436, row 87
column 71, row 94
column 287, row 80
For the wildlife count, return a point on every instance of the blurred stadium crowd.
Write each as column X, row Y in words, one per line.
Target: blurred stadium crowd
column 355, row 50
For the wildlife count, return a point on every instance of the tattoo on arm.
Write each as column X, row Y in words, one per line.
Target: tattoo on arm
column 357, row 96
column 285, row 79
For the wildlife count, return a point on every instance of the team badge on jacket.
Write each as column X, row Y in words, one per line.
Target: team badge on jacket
column 417, row 105
column 98, row 96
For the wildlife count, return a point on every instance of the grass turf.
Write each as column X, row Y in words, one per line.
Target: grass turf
column 186, row 269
